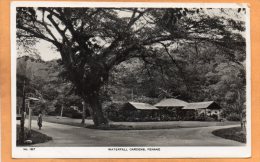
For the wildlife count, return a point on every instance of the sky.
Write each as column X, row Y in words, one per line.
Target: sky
column 46, row 51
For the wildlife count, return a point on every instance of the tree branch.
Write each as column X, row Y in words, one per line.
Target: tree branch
column 46, row 27
column 37, row 35
column 181, row 73
column 134, row 19
column 57, row 28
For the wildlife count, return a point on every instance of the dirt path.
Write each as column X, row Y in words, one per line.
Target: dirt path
column 72, row 136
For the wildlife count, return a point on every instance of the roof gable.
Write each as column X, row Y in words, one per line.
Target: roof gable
column 202, row 105
column 142, row 106
column 171, row 102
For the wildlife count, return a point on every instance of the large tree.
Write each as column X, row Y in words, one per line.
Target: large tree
column 91, row 41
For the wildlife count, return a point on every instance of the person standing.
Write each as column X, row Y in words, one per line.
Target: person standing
column 39, row 120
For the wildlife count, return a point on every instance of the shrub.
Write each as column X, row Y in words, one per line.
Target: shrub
column 214, row 116
column 201, row 117
column 52, row 113
column 70, row 112
column 233, row 117
column 210, row 118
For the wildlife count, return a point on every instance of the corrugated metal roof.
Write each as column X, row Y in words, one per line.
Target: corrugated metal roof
column 171, row 102
column 143, row 106
column 198, row 105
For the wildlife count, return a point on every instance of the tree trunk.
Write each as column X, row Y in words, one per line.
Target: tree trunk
column 96, row 107
column 61, row 112
column 83, row 112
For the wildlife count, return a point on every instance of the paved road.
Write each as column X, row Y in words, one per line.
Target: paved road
column 64, row 135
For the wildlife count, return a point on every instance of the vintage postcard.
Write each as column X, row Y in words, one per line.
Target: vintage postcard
column 130, row 80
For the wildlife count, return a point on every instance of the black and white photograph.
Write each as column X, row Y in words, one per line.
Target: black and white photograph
column 130, row 80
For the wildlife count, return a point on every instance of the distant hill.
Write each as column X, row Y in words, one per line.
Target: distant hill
column 34, row 68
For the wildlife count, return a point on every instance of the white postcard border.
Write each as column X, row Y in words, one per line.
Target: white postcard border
column 103, row 152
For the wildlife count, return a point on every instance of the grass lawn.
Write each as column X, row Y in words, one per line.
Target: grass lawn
column 234, row 133
column 36, row 137
column 136, row 125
